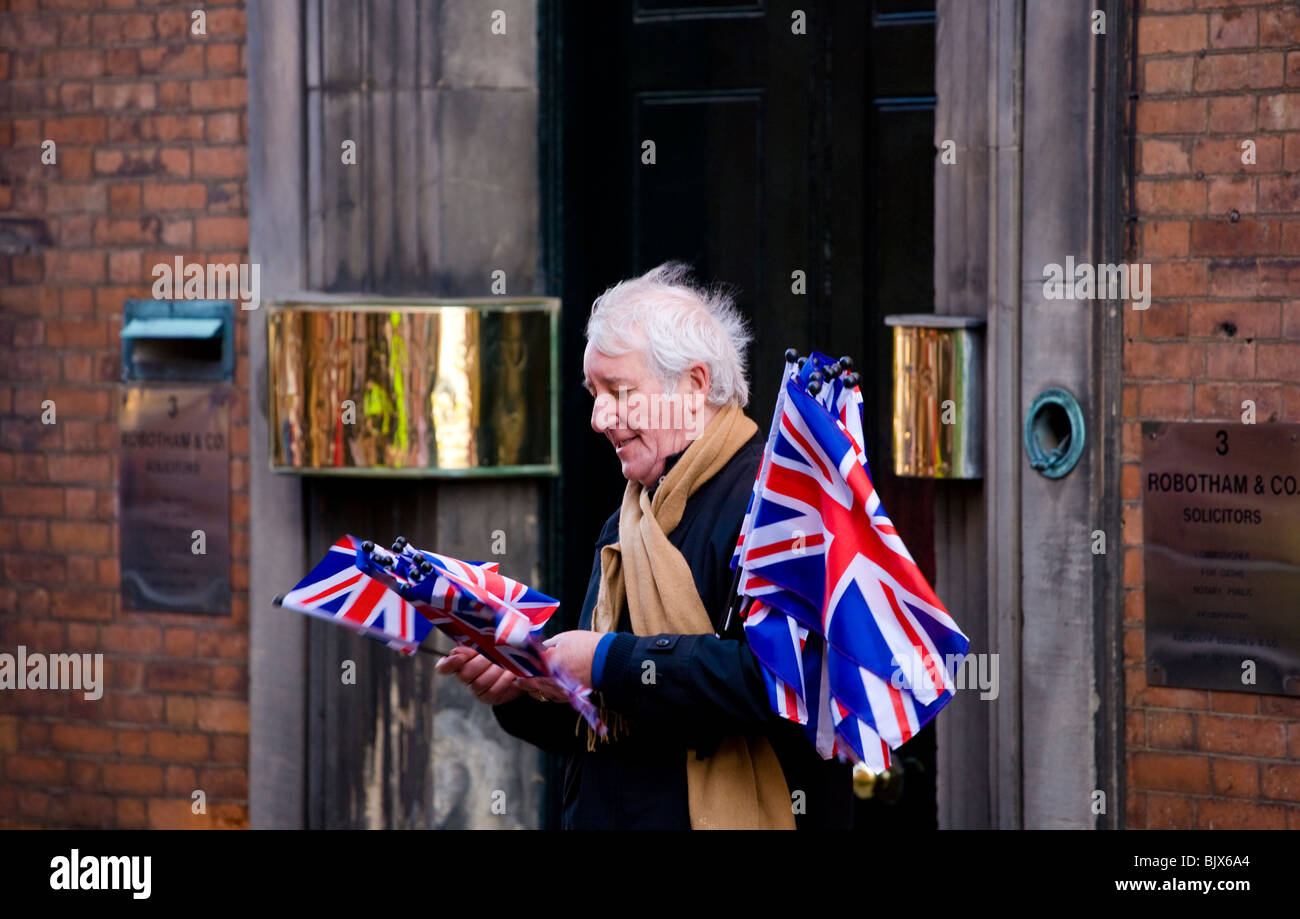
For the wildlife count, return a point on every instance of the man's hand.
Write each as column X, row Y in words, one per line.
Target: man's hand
column 488, row 682
column 573, row 652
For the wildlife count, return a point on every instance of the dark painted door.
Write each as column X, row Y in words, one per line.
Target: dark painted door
column 765, row 143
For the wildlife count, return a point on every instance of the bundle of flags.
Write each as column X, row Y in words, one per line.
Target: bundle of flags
column 854, row 644
column 399, row 597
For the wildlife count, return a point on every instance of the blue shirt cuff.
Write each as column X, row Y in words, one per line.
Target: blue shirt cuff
column 598, row 659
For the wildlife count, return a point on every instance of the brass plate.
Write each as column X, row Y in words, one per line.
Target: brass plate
column 1221, row 556
column 174, row 479
column 387, row 387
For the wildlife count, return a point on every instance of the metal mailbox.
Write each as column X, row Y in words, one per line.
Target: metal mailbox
column 938, row 424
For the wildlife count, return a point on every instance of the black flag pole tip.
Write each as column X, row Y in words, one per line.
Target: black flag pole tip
column 277, row 600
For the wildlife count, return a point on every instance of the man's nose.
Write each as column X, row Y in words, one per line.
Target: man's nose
column 604, row 414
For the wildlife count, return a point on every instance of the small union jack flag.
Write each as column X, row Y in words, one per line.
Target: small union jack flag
column 336, row 590
column 853, row 641
column 400, row 597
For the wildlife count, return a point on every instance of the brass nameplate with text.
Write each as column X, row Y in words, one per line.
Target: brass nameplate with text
column 1221, row 555
column 174, row 489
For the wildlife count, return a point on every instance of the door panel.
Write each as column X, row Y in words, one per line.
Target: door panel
column 775, row 153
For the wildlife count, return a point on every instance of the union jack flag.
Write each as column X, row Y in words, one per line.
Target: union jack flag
column 853, row 641
column 400, row 597
column 337, row 591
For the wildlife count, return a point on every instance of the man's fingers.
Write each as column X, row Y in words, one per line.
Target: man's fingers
column 500, row 690
column 475, row 668
column 485, row 680
column 455, row 659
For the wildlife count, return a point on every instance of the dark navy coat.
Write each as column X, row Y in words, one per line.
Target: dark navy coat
column 705, row 688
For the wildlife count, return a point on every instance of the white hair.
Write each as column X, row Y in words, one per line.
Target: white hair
column 677, row 324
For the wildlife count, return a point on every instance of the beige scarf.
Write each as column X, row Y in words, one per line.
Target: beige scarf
column 741, row 786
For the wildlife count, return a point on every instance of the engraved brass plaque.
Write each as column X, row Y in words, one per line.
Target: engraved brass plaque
column 174, row 489
column 1221, row 555
column 392, row 387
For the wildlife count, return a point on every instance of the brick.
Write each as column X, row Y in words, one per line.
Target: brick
column 182, row 711
column 1234, row 29
column 1175, row 196
column 1279, row 277
column 131, row 639
column 1223, row 155
column 1164, row 157
column 32, row 502
column 1173, row 116
column 1232, row 361
column 1234, row 278
column 76, row 130
column 1246, row 237
column 1172, row 34
column 1224, row 72
column 137, row 778
column 90, row 469
column 1176, row 360
column 124, row 198
column 214, row 232
column 224, row 783
column 1279, row 27
column 1227, row 195
column 1232, row 113
column 179, row 643
column 1279, row 361
column 1281, row 781
column 171, row 196
column 1165, row 239
column 233, row 92
column 1279, row 112
column 1242, row 735
column 125, row 267
column 83, row 738
column 129, row 231
column 1280, row 194
column 1168, row 730
column 220, row 162
column 117, row 96
column 173, row 59
column 82, row 810
column 179, row 780
column 1168, row 812
column 1171, row 772
column 31, row 769
column 131, row 814
column 226, row 716
column 1239, row 815
column 93, row 538
column 1167, row 75
column 73, row 63
column 224, row 59
column 187, row 677
column 178, row 747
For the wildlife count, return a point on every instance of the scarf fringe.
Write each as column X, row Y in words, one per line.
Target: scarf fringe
column 617, row 724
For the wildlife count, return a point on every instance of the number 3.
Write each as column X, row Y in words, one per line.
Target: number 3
column 1222, row 448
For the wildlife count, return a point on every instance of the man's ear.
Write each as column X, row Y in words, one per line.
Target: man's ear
column 698, row 378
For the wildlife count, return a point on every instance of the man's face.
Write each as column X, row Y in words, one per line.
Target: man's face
column 629, row 412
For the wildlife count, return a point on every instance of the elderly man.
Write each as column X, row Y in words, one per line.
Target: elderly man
column 693, row 742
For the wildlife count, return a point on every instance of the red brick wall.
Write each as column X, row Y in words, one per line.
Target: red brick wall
column 1223, row 326
column 150, row 127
